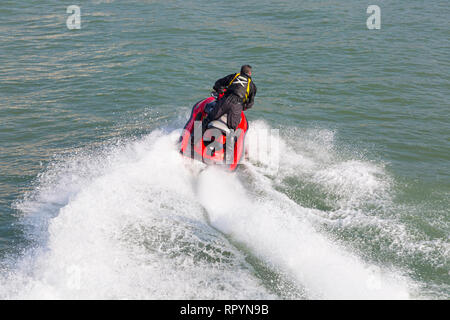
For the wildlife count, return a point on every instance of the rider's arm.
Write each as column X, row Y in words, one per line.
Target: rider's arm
column 251, row 98
column 221, row 84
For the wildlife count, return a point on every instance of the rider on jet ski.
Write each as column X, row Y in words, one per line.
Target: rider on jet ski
column 240, row 91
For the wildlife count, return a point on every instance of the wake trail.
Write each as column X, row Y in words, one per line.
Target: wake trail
column 130, row 222
column 277, row 233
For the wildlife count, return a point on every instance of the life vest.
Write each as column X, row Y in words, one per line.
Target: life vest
column 240, row 86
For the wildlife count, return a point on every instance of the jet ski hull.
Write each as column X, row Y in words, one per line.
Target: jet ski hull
column 211, row 147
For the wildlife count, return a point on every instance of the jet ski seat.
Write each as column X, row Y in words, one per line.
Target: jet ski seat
column 220, row 124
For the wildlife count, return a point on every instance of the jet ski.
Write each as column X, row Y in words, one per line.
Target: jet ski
column 218, row 144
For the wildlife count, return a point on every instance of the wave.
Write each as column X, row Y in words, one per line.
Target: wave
column 136, row 220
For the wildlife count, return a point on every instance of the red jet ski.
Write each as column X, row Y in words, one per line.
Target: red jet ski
column 218, row 144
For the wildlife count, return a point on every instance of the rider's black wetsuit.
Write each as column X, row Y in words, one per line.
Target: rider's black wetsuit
column 240, row 95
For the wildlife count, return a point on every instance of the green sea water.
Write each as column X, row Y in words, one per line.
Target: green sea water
column 91, row 208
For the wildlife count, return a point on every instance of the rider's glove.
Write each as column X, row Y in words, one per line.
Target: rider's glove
column 220, row 90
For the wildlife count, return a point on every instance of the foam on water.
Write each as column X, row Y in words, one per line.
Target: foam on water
column 278, row 233
column 135, row 230
column 137, row 220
